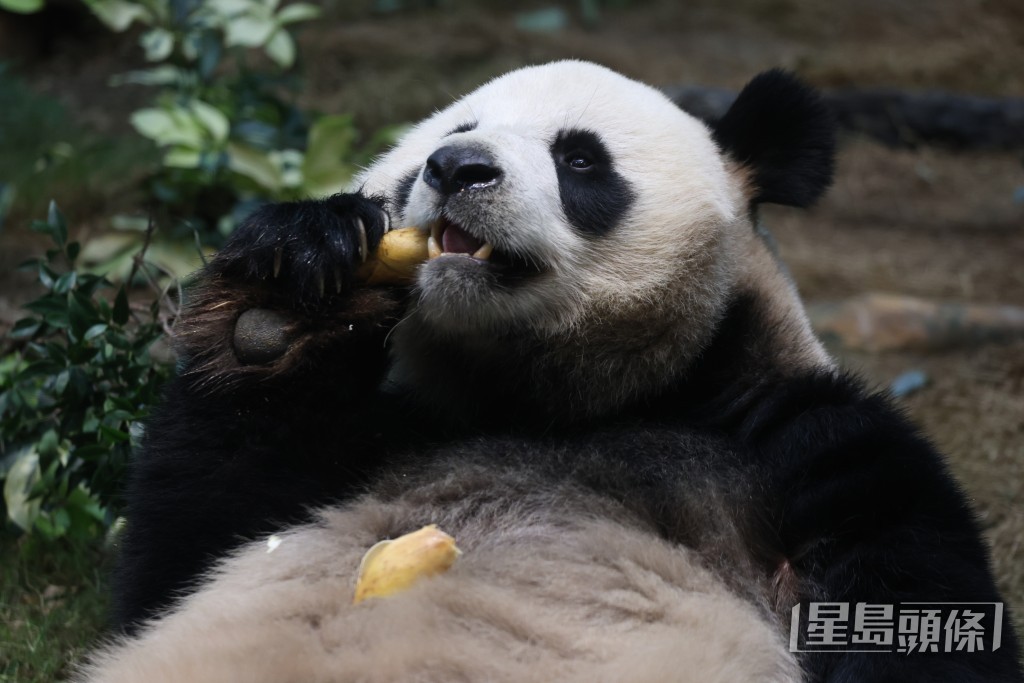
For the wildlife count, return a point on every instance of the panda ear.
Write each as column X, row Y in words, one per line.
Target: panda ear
column 783, row 134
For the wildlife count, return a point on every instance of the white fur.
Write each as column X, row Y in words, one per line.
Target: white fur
column 538, row 595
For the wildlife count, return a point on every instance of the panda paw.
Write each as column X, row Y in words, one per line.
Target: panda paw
column 307, row 252
column 282, row 298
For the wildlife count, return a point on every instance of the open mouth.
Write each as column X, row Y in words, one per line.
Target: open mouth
column 448, row 239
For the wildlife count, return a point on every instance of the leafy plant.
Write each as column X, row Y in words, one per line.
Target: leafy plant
column 225, row 117
column 72, row 392
column 22, row 6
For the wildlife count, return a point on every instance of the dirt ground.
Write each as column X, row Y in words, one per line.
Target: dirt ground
column 929, row 223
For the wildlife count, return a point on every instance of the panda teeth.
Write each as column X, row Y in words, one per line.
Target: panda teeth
column 484, row 252
column 433, row 248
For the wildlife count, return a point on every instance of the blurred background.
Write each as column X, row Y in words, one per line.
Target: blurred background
column 134, row 134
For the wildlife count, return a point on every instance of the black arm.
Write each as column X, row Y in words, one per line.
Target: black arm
column 866, row 511
column 268, row 417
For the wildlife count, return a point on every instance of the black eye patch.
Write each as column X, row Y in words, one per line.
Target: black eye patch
column 405, row 189
column 462, row 128
column 594, row 196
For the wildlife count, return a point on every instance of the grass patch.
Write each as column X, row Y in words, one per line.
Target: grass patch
column 52, row 606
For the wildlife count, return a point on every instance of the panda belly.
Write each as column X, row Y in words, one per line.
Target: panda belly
column 556, row 582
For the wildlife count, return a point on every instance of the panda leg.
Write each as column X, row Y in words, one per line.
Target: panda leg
column 273, row 409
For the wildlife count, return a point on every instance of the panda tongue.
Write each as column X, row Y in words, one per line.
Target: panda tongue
column 455, row 240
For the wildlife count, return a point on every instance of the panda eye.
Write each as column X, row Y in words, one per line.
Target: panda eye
column 579, row 161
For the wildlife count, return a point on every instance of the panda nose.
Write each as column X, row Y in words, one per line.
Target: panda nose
column 453, row 169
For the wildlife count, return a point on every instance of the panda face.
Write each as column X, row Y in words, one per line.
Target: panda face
column 558, row 194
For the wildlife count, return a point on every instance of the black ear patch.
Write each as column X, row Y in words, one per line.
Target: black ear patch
column 782, row 131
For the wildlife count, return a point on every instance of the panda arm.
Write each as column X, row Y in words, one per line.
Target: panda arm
column 243, row 443
column 866, row 511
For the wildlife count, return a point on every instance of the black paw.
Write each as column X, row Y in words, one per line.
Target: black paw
column 261, row 336
column 309, row 250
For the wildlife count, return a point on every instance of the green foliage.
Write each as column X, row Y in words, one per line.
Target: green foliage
column 22, row 6
column 225, row 116
column 78, row 373
column 72, row 393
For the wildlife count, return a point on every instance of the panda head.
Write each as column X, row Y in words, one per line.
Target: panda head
column 567, row 202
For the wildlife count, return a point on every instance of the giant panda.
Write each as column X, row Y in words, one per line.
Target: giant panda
column 602, row 383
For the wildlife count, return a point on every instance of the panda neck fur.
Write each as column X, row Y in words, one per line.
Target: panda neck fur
column 615, row 359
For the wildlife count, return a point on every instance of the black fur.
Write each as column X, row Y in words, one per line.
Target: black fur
column 405, row 189
column 814, row 472
column 782, row 131
column 462, row 128
column 595, row 197
column 311, row 248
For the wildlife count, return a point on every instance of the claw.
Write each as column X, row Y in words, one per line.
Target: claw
column 320, row 283
column 337, row 280
column 278, row 253
column 363, row 244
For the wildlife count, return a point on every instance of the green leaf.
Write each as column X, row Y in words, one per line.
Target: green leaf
column 121, row 310
column 54, row 524
column 115, row 435
column 21, row 478
column 65, row 283
column 47, row 278
column 7, row 193
column 212, row 120
column 60, row 382
column 249, row 31
column 281, row 48
column 119, row 14
column 57, row 223
column 25, row 328
column 155, row 124
column 82, row 499
column 82, row 314
column 325, row 169
column 160, row 75
column 48, row 443
column 229, row 7
column 173, row 126
column 47, row 305
column 96, row 330
column 300, row 11
column 255, row 165
column 183, row 157
column 158, row 44
column 21, row 6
